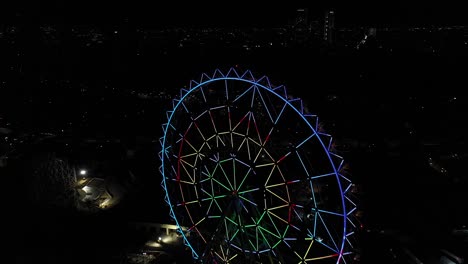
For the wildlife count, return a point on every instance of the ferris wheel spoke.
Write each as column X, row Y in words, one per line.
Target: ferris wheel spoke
column 217, row 204
column 234, row 175
column 220, row 184
column 306, row 140
column 305, row 170
column 270, row 213
column 247, row 200
column 263, row 236
column 250, row 190
column 244, row 178
column 327, row 246
column 257, row 130
column 212, row 121
column 201, row 134
column 269, row 232
column 277, row 196
column 225, row 176
column 328, row 231
column 322, row 175
column 248, row 90
column 187, row 172
column 241, row 121
column 329, row 212
column 265, row 106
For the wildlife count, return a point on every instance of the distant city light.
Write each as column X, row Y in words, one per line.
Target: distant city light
column 83, row 172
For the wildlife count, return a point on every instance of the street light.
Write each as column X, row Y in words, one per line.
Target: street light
column 83, row 172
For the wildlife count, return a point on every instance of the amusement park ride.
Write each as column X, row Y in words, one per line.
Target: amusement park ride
column 251, row 177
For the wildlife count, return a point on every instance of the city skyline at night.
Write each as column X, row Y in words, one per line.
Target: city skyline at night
column 85, row 89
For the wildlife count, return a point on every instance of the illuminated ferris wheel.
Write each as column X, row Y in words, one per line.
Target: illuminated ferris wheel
column 250, row 176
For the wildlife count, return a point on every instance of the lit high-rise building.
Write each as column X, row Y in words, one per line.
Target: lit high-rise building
column 329, row 26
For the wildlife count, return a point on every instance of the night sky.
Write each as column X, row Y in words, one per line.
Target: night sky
column 92, row 72
column 240, row 13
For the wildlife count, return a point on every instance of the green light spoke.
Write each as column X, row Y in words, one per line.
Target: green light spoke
column 226, row 228
column 256, row 237
column 277, row 243
column 232, row 221
column 252, row 244
column 235, row 234
column 207, row 193
column 214, row 179
column 209, row 206
column 251, row 190
column 260, row 219
column 247, row 200
column 245, row 177
column 226, row 177
column 263, row 235
column 285, row 231
column 273, row 223
column 234, row 173
column 266, row 230
column 217, row 204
